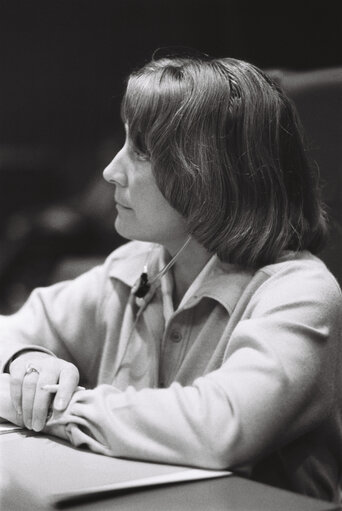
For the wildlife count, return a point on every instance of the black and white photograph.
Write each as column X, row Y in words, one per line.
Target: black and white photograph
column 170, row 255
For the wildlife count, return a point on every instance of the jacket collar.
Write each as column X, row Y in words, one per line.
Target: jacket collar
column 129, row 260
column 220, row 281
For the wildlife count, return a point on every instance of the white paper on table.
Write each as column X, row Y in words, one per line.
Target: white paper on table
column 55, row 472
column 187, row 474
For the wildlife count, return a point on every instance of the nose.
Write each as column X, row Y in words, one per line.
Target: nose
column 115, row 173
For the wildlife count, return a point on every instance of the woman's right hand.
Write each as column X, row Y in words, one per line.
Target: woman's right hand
column 29, row 372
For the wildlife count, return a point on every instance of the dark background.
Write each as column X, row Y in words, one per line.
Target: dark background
column 63, row 67
column 63, row 62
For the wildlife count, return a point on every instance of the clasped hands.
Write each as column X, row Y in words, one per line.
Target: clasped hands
column 30, row 372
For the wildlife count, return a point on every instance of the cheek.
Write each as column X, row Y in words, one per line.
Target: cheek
column 152, row 209
column 168, row 218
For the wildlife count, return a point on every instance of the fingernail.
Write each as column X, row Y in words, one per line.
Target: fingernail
column 58, row 404
column 36, row 426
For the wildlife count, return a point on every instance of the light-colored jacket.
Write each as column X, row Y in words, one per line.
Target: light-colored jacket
column 244, row 374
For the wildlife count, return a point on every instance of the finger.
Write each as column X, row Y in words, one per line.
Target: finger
column 68, row 380
column 42, row 403
column 17, row 372
column 28, row 395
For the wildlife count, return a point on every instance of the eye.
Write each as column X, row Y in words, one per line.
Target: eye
column 135, row 151
column 140, row 155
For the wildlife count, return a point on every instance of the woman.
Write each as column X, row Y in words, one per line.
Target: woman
column 212, row 340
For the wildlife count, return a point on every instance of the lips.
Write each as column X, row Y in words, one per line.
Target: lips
column 121, row 204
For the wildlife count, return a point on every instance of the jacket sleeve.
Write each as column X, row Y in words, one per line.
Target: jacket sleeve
column 60, row 319
column 276, row 383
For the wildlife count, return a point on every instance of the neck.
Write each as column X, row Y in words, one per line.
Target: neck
column 187, row 266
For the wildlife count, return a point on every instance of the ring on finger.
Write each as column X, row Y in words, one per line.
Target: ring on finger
column 31, row 369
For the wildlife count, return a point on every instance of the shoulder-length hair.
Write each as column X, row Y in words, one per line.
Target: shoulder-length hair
column 227, row 153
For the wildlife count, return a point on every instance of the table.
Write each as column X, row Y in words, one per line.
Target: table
column 26, row 477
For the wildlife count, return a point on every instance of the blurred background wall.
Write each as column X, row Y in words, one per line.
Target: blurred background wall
column 63, row 64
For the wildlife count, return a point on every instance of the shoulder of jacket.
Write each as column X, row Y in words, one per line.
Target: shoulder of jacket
column 297, row 271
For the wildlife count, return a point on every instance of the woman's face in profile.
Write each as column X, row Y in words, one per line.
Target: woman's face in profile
column 142, row 211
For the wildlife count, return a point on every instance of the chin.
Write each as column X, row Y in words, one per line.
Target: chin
column 121, row 230
column 128, row 233
column 132, row 231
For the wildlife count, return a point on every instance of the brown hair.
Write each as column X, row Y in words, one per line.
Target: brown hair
column 227, row 153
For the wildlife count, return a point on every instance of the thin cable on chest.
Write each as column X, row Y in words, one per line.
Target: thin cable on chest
column 143, row 285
